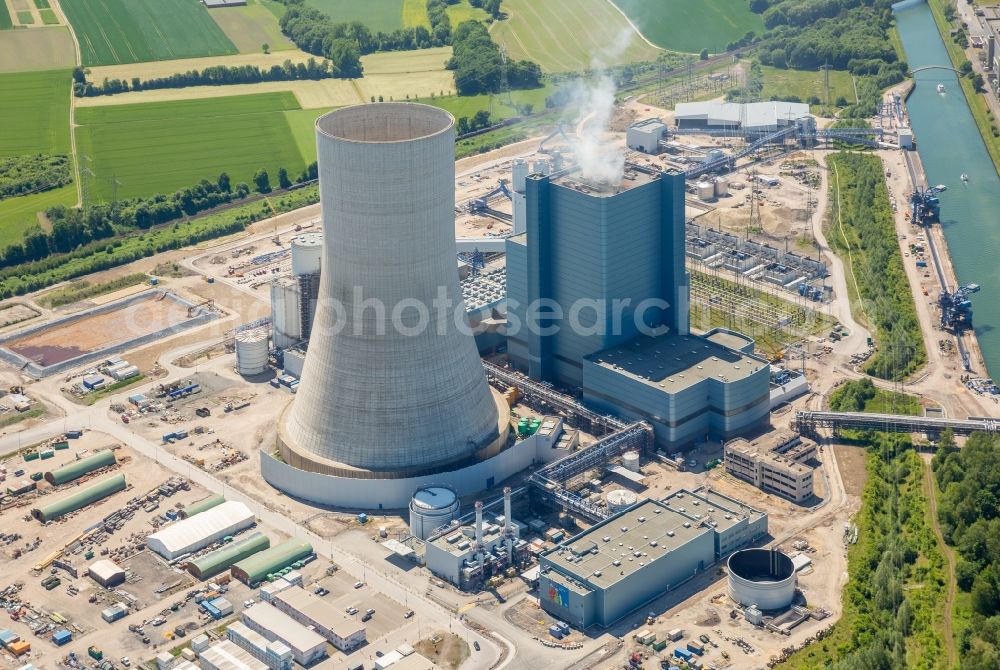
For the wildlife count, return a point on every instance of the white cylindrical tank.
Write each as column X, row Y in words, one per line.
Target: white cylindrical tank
column 761, row 577
column 621, row 499
column 541, row 166
column 286, row 313
column 704, row 190
column 519, row 173
column 251, row 352
column 721, row 187
column 630, row 459
column 307, row 253
column 432, row 507
column 395, row 390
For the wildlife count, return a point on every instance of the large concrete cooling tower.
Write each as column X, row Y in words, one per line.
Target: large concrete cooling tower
column 378, row 399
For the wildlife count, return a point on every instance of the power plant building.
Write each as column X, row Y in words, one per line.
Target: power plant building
column 609, row 260
column 779, row 468
column 602, row 253
column 389, row 402
column 599, row 576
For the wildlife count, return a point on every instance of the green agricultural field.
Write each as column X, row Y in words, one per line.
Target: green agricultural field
column 463, row 11
column 5, row 20
column 302, row 123
column 42, row 4
column 131, row 31
column 568, row 35
column 20, row 214
column 44, row 48
column 806, row 84
column 25, row 18
column 251, row 26
column 683, row 25
column 34, row 107
column 415, row 14
column 162, row 146
column 49, row 17
column 378, row 15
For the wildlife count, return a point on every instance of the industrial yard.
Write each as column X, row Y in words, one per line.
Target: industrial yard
column 355, row 508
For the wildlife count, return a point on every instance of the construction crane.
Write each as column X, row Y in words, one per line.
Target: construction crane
column 956, row 308
column 482, row 205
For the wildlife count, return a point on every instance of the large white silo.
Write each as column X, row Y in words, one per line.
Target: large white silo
column 307, row 253
column 379, row 401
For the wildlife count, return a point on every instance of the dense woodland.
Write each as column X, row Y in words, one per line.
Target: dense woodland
column 969, row 510
column 215, row 75
column 850, row 35
column 478, row 64
column 33, row 173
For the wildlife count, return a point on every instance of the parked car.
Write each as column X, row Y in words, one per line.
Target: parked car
column 359, row 585
column 352, row 610
column 407, row 614
column 475, row 645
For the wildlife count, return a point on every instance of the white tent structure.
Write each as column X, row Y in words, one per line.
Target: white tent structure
column 201, row 530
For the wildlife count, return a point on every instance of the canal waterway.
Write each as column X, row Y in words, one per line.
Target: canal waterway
column 949, row 144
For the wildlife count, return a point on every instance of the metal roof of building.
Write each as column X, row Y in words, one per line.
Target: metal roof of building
column 256, row 568
column 77, row 469
column 316, row 609
column 106, row 570
column 202, row 530
column 215, row 562
column 81, row 498
column 614, row 549
column 225, row 655
column 752, row 115
column 674, row 363
column 706, row 504
column 284, row 627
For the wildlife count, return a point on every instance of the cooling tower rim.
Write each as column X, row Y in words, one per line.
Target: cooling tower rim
column 440, row 121
column 742, row 563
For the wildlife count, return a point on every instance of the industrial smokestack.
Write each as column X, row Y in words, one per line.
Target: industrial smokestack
column 479, row 532
column 391, row 386
column 508, row 524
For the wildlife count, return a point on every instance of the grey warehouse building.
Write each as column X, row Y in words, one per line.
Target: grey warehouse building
column 611, row 259
column 616, row 566
column 686, row 386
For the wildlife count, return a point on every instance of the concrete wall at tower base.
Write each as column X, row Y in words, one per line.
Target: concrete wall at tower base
column 353, row 493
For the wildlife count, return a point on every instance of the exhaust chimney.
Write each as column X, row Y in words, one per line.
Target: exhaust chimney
column 508, row 525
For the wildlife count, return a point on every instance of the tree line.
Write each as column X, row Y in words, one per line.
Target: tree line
column 868, row 226
column 75, row 227
column 478, row 64
column 133, row 245
column 969, row 513
column 33, row 173
column 215, row 75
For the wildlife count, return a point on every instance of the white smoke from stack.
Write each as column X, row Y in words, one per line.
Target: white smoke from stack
column 593, row 104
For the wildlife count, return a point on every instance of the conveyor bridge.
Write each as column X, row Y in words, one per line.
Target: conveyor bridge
column 893, row 423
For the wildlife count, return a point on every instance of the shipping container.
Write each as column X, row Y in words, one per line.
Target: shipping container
column 660, row 646
column 46, row 453
column 696, row 647
column 19, row 648
column 675, row 634
column 73, row 434
column 31, row 456
column 59, row 446
column 683, row 654
column 61, row 637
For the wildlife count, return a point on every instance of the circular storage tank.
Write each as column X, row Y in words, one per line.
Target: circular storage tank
column 621, row 499
column 630, row 459
column 721, row 187
column 705, row 190
column 762, row 577
column 251, row 352
column 307, row 253
column 432, row 507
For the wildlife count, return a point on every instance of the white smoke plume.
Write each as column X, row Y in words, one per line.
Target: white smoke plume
column 593, row 105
